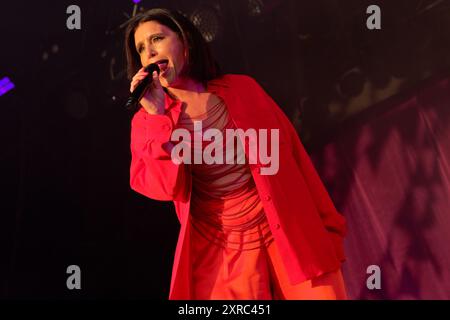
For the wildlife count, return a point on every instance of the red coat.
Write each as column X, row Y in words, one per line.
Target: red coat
column 305, row 224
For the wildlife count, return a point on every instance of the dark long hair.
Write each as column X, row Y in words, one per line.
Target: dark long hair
column 201, row 65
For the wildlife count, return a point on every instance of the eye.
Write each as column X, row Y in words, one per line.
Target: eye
column 157, row 38
column 139, row 50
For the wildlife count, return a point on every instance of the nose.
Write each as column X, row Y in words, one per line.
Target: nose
column 150, row 51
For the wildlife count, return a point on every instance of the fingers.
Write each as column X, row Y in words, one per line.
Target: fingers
column 156, row 82
column 141, row 75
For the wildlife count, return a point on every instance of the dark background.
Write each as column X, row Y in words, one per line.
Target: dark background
column 65, row 196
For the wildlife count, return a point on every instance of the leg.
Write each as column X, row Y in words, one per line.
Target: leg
column 226, row 274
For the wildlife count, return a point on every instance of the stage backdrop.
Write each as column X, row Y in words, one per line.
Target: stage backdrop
column 388, row 173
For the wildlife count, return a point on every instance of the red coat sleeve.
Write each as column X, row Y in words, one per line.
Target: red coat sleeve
column 152, row 172
column 333, row 221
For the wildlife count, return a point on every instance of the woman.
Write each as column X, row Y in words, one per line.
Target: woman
column 244, row 234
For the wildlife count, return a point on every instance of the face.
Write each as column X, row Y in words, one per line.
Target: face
column 156, row 43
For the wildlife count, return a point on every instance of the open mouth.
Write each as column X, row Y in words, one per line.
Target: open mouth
column 162, row 64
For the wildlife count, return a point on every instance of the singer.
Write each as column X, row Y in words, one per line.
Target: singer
column 243, row 235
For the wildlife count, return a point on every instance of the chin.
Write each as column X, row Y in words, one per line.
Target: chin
column 164, row 81
column 169, row 81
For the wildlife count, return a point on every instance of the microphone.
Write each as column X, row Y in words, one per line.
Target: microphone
column 139, row 91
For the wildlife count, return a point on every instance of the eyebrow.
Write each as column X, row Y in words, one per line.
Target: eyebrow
column 149, row 37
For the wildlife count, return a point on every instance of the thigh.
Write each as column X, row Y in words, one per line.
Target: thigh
column 329, row 286
column 227, row 274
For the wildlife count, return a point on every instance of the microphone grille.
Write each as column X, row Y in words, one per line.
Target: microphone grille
column 152, row 67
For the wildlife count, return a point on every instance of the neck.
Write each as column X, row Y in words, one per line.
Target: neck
column 186, row 88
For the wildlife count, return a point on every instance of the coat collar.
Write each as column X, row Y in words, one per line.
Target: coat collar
column 217, row 86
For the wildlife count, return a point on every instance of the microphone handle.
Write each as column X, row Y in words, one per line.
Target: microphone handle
column 139, row 91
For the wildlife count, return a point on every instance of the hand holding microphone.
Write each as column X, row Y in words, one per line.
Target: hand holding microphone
column 146, row 89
